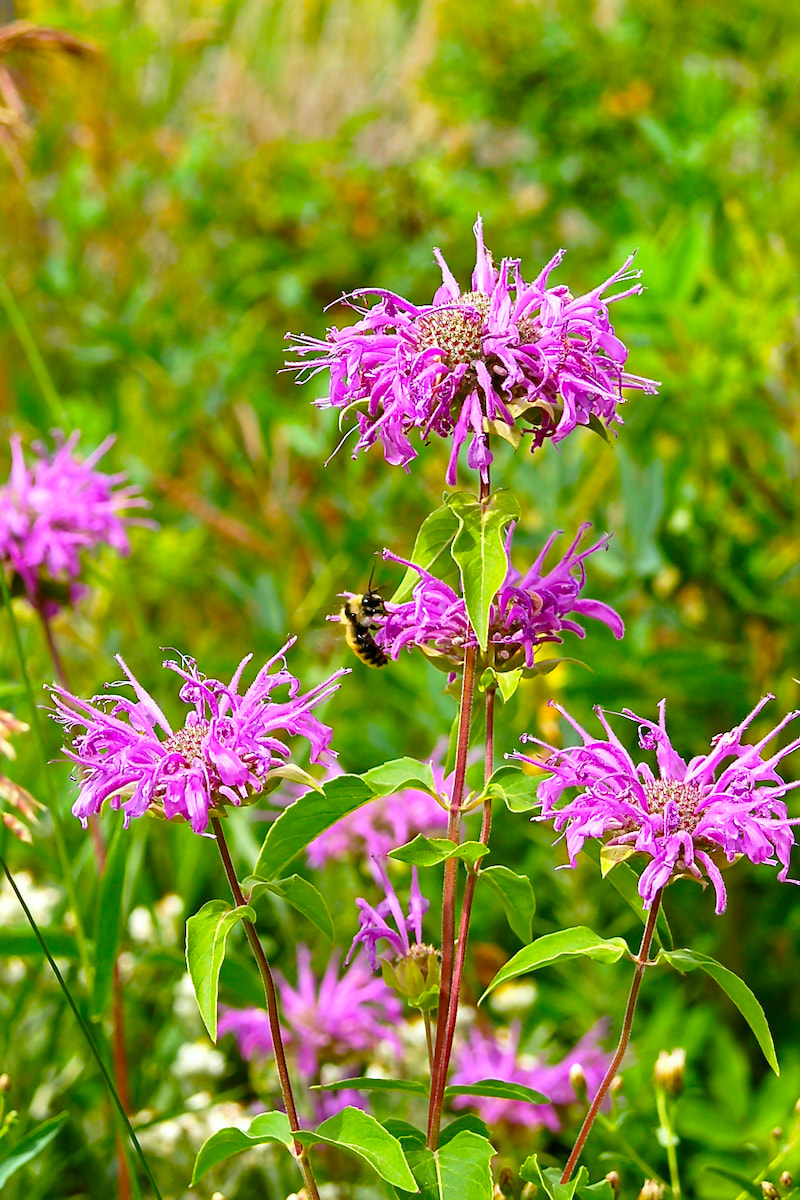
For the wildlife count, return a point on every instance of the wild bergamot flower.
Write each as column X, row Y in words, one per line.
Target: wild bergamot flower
column 504, row 357
column 528, row 611
column 55, row 510
column 227, row 752
column 689, row 817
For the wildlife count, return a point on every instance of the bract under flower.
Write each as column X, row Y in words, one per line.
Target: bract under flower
column 55, row 510
column 505, row 356
column 528, row 611
column 719, row 805
column 130, row 755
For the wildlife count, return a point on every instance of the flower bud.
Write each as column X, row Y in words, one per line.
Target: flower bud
column 529, row 1192
column 776, row 1133
column 5, row 1083
column 651, row 1190
column 577, row 1078
column 669, row 1070
column 786, row 1181
column 616, row 1084
column 614, row 1178
column 414, row 976
column 769, row 1191
column 505, row 1183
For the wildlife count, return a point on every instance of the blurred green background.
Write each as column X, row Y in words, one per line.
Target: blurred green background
column 214, row 175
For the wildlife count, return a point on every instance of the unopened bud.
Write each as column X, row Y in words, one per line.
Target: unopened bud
column 776, row 1133
column 669, row 1070
column 529, row 1192
column 616, row 1084
column 613, row 1177
column 505, row 1183
column 652, row 1190
column 577, row 1077
column 769, row 1191
column 5, row 1083
column 415, row 975
column 786, row 1181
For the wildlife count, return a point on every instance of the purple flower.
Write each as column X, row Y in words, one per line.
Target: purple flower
column 380, row 826
column 496, row 1056
column 386, row 922
column 54, row 511
column 687, row 819
column 506, row 356
column 129, row 753
column 527, row 611
column 337, row 1017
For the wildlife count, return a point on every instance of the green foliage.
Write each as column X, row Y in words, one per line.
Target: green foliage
column 219, row 179
column 566, row 943
column 206, row 938
column 479, row 550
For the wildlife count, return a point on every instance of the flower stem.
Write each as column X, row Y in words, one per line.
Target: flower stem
column 642, row 963
column 35, row 361
column 301, row 1154
column 452, row 956
column 440, row 1060
column 668, row 1139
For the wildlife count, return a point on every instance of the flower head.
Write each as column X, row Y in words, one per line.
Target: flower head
column 338, row 1017
column 496, row 1056
column 225, row 753
column 527, row 611
column 505, row 356
column 386, row 921
column 55, row 510
column 722, row 804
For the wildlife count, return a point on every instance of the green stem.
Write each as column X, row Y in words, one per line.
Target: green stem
column 647, row 1170
column 87, row 1033
column 642, row 963
column 669, row 1140
column 58, row 828
column 300, row 1152
column 35, row 361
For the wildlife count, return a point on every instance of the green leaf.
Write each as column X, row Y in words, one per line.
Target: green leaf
column 266, row 1127
column 464, row 1167
column 602, row 1190
column 364, row 1083
column 549, row 1179
column 517, row 896
column 508, row 682
column 30, row 1146
column 514, row 787
column 302, row 896
column 206, row 937
column 108, row 921
column 733, row 987
column 430, row 551
column 479, row 549
column 304, row 820
column 625, row 881
column 567, row 943
column 499, row 1089
column 361, row 1135
column 399, row 774
column 427, row 852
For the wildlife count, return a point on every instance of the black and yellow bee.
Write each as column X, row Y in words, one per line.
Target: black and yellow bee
column 358, row 615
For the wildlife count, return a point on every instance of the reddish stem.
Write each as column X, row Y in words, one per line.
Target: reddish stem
column 642, row 963
column 301, row 1154
column 439, row 1075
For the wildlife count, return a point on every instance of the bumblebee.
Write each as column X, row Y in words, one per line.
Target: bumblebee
column 358, row 616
